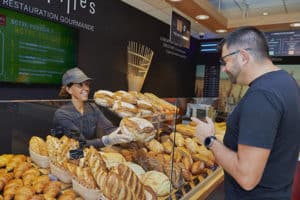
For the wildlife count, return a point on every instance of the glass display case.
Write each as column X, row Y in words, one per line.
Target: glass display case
column 23, row 119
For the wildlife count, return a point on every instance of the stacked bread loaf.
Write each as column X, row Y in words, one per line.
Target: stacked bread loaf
column 130, row 104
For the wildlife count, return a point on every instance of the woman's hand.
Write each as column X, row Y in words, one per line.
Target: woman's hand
column 116, row 137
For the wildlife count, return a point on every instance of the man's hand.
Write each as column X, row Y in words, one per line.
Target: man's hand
column 204, row 129
column 116, row 137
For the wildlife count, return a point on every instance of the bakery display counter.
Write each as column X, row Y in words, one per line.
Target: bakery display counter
column 207, row 186
column 199, row 188
column 195, row 176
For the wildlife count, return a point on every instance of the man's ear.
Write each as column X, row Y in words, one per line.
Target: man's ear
column 245, row 56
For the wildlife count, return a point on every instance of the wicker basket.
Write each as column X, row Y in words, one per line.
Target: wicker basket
column 60, row 173
column 41, row 161
column 86, row 193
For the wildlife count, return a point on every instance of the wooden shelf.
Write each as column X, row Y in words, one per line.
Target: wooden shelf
column 207, row 186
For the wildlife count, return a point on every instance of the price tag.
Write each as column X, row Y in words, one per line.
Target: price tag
column 82, row 143
column 58, row 132
column 76, row 154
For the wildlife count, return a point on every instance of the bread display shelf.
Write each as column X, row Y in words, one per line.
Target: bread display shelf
column 197, row 189
column 208, row 185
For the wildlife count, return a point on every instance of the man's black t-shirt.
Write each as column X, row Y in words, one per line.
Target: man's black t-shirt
column 268, row 116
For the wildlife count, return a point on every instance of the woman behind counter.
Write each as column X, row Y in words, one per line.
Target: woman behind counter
column 82, row 120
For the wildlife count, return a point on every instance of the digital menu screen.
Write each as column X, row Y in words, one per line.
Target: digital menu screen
column 33, row 50
column 284, row 43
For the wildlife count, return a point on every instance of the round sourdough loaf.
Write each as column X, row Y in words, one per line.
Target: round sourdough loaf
column 158, row 181
column 141, row 129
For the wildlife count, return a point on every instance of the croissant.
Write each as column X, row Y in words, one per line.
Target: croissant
column 68, row 194
column 14, row 161
column 11, row 188
column 21, row 168
column 5, row 178
column 29, row 176
column 52, row 189
column 24, row 193
column 4, row 159
column 40, row 183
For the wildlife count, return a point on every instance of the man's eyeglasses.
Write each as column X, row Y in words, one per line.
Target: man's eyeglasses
column 222, row 61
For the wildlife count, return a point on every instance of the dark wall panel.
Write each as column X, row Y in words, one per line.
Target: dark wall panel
column 102, row 54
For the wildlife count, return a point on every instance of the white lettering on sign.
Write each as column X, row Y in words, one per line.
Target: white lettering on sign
column 76, row 4
column 83, row 4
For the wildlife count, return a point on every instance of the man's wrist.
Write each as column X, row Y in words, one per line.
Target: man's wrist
column 209, row 141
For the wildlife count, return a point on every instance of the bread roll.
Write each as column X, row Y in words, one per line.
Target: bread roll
column 144, row 105
column 179, row 140
column 144, row 113
column 118, row 94
column 124, row 109
column 197, row 167
column 127, row 97
column 104, row 98
column 155, row 146
column 191, row 145
column 186, row 129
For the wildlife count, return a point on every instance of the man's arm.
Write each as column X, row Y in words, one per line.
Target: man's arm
column 246, row 165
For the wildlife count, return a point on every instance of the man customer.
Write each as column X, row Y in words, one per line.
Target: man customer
column 262, row 138
column 81, row 119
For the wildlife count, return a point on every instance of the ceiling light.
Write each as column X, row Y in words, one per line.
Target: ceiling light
column 296, row 24
column 175, row 0
column 202, row 17
column 265, row 13
column 221, row 30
